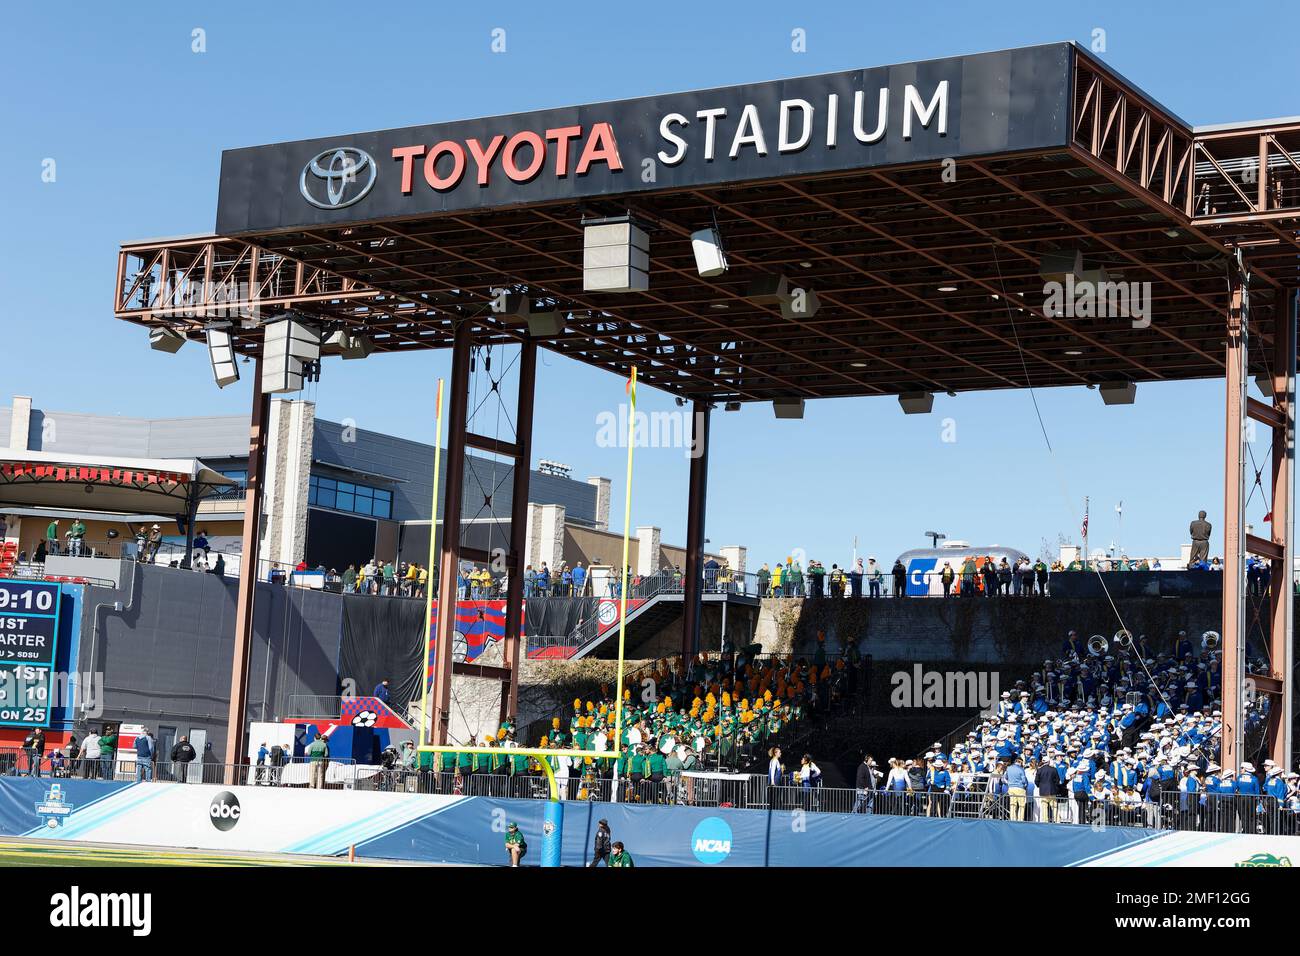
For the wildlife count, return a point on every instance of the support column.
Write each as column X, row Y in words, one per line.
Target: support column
column 449, row 553
column 248, row 561
column 191, row 516
column 1281, row 600
column 1234, row 530
column 518, row 557
column 693, row 573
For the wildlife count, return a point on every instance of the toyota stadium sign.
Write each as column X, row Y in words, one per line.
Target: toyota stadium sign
column 907, row 113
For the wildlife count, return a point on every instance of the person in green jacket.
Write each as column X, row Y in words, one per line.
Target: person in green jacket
column 350, row 579
column 620, row 856
column 107, row 752
column 76, row 534
column 318, row 758
column 516, row 846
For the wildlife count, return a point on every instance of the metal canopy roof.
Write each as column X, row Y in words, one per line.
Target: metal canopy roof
column 125, row 486
column 926, row 281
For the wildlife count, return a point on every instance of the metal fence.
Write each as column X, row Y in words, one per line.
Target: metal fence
column 1216, row 813
column 1200, row 812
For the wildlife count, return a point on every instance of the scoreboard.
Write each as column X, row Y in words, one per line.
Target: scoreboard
column 29, row 635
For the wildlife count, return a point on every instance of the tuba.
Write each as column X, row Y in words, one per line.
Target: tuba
column 1211, row 640
column 1097, row 645
column 1123, row 639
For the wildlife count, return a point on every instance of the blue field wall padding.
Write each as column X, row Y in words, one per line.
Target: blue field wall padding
column 553, row 834
column 472, row 830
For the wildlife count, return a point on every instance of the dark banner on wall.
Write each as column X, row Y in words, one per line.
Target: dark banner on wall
column 907, row 113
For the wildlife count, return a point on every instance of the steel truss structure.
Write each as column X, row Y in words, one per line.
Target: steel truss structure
column 929, row 278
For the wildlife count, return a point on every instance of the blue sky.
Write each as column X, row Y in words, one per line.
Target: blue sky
column 136, row 121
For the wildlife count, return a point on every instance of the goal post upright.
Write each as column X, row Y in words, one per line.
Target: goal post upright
column 541, row 754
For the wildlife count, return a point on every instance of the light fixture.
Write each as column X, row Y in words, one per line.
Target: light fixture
column 1119, row 393
column 805, row 265
column 221, row 353
column 1073, row 352
column 710, row 259
column 719, row 305
column 731, row 407
column 802, row 304
column 916, row 403
column 679, row 400
column 1055, row 266
column 947, row 288
column 768, row 289
column 858, row 364
column 163, row 339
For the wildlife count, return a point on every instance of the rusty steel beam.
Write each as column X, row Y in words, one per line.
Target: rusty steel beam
column 259, row 422
column 1281, row 599
column 696, row 498
column 449, row 553
column 1233, row 629
column 513, row 644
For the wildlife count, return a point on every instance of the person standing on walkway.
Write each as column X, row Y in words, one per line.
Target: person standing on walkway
column 318, row 755
column 601, row 848
column 144, row 754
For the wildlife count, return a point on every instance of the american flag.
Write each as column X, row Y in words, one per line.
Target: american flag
column 1085, row 521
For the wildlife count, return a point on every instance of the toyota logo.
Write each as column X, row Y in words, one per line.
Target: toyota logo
column 337, row 177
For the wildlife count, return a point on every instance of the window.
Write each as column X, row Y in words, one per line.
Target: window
column 347, row 496
column 240, row 476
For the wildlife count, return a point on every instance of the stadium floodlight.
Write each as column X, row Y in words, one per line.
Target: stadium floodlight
column 221, row 353
column 163, row 339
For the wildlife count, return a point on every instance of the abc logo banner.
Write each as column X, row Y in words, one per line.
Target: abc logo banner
column 224, row 811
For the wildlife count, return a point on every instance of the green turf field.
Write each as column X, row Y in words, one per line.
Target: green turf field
column 59, row 853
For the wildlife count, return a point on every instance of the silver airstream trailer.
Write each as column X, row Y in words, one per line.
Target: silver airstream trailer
column 925, row 565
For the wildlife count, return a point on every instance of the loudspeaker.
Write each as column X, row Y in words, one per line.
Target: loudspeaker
column 788, row 407
column 916, row 403
column 710, row 260
column 1118, row 393
column 288, row 347
column 163, row 339
column 615, row 258
column 221, row 353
